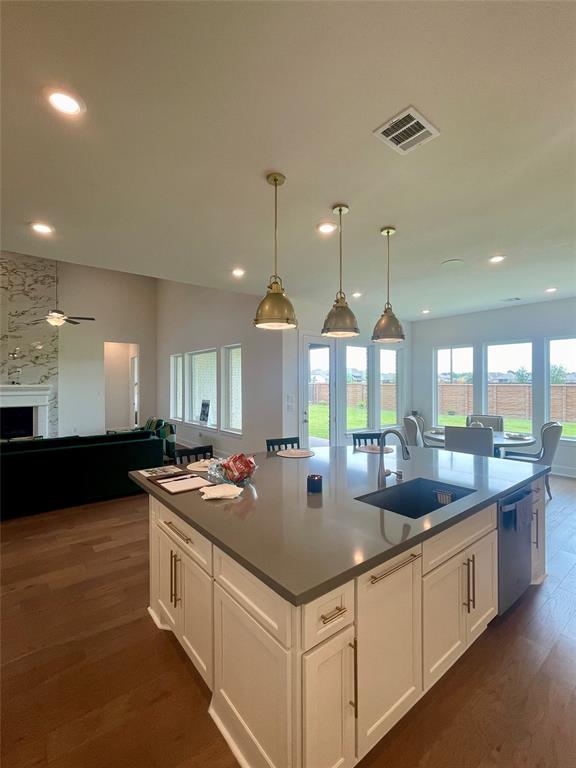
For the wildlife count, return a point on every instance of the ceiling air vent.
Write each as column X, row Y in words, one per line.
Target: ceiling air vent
column 406, row 131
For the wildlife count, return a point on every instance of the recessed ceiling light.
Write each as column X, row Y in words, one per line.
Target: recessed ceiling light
column 551, row 290
column 238, row 272
column 356, row 295
column 425, row 311
column 497, row 259
column 327, row 227
column 42, row 228
column 452, row 262
column 65, row 103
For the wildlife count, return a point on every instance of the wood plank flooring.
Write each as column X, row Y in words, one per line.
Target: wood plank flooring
column 89, row 682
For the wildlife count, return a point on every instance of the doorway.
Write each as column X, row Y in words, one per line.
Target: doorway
column 121, row 385
column 318, row 421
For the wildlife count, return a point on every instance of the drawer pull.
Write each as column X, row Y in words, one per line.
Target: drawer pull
column 378, row 577
column 340, row 610
column 177, row 531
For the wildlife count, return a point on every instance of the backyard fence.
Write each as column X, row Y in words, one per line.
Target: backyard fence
column 508, row 400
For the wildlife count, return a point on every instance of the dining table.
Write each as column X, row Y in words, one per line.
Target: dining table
column 503, row 441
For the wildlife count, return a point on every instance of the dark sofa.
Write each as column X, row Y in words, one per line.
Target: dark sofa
column 39, row 475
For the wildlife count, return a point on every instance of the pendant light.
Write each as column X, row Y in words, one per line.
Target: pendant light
column 340, row 321
column 388, row 329
column 275, row 312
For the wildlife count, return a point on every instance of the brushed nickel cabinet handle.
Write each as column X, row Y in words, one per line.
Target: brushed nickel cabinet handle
column 172, row 577
column 378, row 577
column 177, row 531
column 467, row 603
column 354, row 646
column 340, row 610
column 176, row 585
column 536, row 516
column 473, row 600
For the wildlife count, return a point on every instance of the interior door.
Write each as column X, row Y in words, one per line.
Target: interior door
column 134, row 389
column 318, row 418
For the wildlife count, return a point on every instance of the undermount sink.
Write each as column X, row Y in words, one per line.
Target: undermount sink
column 416, row 498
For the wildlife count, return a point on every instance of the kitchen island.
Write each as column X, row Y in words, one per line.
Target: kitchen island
column 319, row 620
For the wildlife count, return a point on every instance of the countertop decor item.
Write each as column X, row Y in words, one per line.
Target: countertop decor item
column 314, row 483
column 275, row 312
column 295, row 453
column 340, row 322
column 388, row 329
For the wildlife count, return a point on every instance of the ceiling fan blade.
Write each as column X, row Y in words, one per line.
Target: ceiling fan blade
column 74, row 317
column 72, row 322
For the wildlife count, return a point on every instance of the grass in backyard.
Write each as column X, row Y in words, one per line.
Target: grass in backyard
column 356, row 418
column 510, row 424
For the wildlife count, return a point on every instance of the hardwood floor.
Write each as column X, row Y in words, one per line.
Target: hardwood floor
column 88, row 681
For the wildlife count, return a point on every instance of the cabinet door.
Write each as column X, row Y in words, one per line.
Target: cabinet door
column 329, row 703
column 483, row 563
column 389, row 601
column 539, row 540
column 167, row 604
column 444, row 623
column 195, row 620
column 252, row 686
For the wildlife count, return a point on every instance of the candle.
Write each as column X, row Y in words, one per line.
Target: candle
column 314, row 483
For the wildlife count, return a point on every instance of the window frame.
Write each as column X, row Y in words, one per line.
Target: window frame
column 225, row 390
column 189, row 390
column 172, row 409
column 435, row 398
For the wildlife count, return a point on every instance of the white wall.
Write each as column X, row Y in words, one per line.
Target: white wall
column 125, row 310
column 527, row 322
column 117, row 384
column 193, row 318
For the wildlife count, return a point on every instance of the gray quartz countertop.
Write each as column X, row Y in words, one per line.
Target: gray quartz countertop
column 302, row 546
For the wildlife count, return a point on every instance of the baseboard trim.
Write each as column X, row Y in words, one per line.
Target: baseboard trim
column 228, row 738
column 157, row 621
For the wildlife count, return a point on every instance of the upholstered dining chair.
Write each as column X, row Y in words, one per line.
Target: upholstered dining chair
column 365, row 438
column 550, row 435
column 496, row 422
column 281, row 443
column 414, row 435
column 476, row 440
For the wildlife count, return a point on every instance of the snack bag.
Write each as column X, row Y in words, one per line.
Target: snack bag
column 238, row 467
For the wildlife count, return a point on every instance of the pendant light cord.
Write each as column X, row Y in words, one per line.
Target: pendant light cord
column 275, row 229
column 340, row 292
column 388, row 269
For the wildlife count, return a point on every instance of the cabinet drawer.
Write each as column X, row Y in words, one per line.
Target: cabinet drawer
column 444, row 545
column 262, row 603
column 187, row 537
column 327, row 615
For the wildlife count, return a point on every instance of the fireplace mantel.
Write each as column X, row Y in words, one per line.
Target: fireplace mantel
column 28, row 395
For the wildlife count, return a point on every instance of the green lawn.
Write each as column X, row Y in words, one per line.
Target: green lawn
column 356, row 418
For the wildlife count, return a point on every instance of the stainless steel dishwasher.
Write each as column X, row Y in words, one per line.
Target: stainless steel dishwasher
column 514, row 547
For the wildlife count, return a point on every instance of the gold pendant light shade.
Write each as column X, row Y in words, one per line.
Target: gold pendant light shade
column 388, row 329
column 340, row 322
column 275, row 312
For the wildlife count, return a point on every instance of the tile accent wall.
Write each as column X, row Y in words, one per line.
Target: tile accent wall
column 29, row 353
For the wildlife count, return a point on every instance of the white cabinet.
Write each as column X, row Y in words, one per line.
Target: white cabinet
column 459, row 598
column 389, row 616
column 539, row 540
column 167, row 602
column 329, row 702
column 194, row 622
column 252, row 699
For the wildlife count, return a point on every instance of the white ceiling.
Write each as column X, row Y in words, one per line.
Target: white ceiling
column 189, row 104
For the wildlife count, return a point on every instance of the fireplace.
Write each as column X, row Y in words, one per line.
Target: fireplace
column 16, row 422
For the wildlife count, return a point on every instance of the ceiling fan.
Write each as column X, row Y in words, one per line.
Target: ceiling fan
column 56, row 317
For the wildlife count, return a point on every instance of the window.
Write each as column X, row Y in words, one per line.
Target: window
column 356, row 388
column 562, row 393
column 454, row 385
column 176, row 387
column 509, row 384
column 203, row 395
column 232, row 388
column 388, row 387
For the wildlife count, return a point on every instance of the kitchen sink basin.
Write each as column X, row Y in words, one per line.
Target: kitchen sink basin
column 416, row 498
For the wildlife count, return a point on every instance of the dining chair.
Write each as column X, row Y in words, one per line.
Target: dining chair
column 281, row 443
column 476, row 440
column 365, row 438
column 412, row 430
column 197, row 453
column 496, row 422
column 550, row 435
